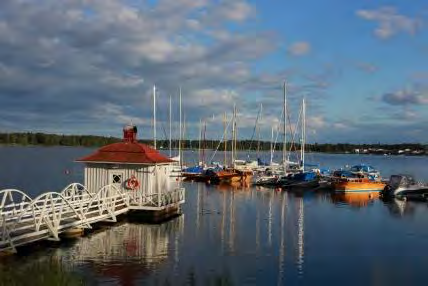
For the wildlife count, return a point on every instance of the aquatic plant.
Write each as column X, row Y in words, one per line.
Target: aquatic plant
column 40, row 272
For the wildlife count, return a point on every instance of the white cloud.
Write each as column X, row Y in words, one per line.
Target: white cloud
column 299, row 48
column 390, row 22
column 406, row 97
column 316, row 122
column 367, row 67
column 65, row 59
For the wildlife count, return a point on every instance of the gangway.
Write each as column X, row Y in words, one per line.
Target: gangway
column 24, row 220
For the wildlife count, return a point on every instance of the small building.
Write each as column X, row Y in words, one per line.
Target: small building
column 139, row 171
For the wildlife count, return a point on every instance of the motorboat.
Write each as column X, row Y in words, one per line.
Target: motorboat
column 358, row 183
column 404, row 186
column 369, row 171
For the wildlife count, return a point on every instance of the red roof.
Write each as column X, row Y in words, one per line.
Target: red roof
column 126, row 152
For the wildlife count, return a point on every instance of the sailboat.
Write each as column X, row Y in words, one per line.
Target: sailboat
column 251, row 165
column 275, row 174
column 302, row 179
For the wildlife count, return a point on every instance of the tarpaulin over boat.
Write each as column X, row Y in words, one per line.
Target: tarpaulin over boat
column 306, row 176
column 195, row 169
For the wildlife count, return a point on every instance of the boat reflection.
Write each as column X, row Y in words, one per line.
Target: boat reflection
column 125, row 253
column 233, row 186
column 354, row 199
column 400, row 208
column 273, row 209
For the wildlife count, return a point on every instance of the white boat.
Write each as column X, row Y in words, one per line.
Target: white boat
column 243, row 165
column 404, row 186
column 274, row 173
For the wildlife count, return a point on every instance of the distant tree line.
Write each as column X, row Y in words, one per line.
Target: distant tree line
column 97, row 141
column 55, row 139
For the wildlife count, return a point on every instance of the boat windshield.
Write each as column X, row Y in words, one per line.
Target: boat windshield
column 396, row 180
column 363, row 168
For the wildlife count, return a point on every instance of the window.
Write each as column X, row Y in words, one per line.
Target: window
column 117, row 178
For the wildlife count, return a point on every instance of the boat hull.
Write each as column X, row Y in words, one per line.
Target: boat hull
column 413, row 192
column 359, row 186
column 301, row 184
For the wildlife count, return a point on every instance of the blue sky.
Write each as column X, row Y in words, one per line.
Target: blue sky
column 88, row 67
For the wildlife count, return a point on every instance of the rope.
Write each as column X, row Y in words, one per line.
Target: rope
column 254, row 132
column 222, row 138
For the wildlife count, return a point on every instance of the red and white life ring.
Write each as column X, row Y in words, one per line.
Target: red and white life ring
column 132, row 183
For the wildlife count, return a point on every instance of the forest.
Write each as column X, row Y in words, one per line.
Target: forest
column 44, row 139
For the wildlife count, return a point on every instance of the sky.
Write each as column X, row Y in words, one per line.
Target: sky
column 89, row 67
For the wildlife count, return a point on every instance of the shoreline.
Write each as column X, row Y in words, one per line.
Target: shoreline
column 239, row 150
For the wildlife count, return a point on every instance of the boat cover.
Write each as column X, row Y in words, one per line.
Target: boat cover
column 306, row 176
column 194, row 169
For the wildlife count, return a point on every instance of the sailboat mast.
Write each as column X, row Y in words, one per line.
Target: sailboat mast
column 204, row 143
column 170, row 128
column 258, row 130
column 181, row 135
column 271, row 147
column 234, row 134
column 225, row 138
column 303, row 133
column 284, row 147
column 154, row 116
column 200, row 140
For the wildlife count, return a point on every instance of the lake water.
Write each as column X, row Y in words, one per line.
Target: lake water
column 234, row 235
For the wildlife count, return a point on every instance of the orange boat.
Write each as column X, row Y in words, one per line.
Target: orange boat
column 228, row 175
column 358, row 185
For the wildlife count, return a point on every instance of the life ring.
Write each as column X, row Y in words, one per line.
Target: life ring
column 132, row 183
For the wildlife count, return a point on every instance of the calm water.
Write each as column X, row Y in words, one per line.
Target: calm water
column 236, row 235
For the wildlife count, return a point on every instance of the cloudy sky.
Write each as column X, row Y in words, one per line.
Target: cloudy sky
column 89, row 66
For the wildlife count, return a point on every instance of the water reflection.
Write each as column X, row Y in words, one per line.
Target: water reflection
column 401, row 208
column 125, row 253
column 259, row 222
column 354, row 199
column 237, row 234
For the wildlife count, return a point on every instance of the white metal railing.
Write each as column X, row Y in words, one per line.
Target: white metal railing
column 13, row 202
column 108, row 202
column 24, row 220
column 157, row 200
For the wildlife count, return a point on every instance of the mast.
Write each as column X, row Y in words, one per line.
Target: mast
column 170, row 128
column 284, row 147
column 258, row 130
column 154, row 116
column 271, row 147
column 234, row 135
column 225, row 138
column 303, row 133
column 180, row 137
column 204, row 143
column 200, row 140
column 183, row 137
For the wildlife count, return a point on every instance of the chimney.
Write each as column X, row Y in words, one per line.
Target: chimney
column 130, row 133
